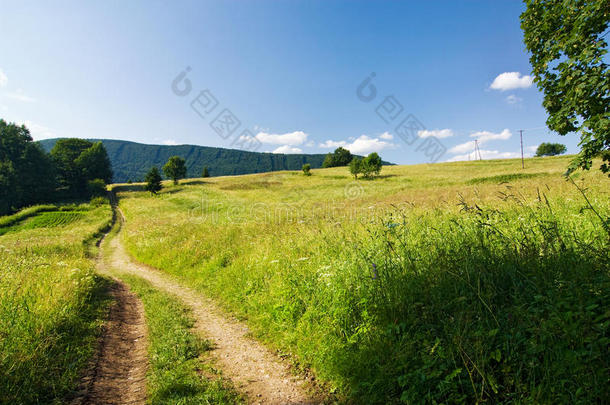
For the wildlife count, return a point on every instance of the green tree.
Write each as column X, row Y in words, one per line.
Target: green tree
column 205, row 172
column 78, row 161
column 26, row 171
column 567, row 47
column 153, row 181
column 95, row 164
column 175, row 168
column 371, row 165
column 550, row 149
column 306, row 169
column 70, row 176
column 340, row 157
column 355, row 167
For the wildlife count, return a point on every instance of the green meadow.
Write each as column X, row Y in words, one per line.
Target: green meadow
column 449, row 283
column 51, row 301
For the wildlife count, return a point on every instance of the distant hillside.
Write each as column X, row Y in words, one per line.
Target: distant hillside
column 131, row 160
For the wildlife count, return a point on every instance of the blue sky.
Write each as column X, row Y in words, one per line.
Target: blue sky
column 288, row 72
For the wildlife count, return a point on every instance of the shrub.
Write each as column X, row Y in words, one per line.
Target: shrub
column 550, row 149
column 307, row 169
column 96, row 188
column 153, row 181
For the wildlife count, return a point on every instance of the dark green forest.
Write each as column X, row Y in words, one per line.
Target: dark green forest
column 74, row 169
column 131, row 161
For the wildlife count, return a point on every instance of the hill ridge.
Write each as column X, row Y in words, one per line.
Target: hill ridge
column 131, row 160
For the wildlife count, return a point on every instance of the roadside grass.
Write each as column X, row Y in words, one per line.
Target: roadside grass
column 414, row 287
column 179, row 371
column 51, row 301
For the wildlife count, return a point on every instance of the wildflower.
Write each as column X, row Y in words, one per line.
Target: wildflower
column 375, row 275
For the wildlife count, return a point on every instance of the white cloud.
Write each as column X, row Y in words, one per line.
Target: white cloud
column 486, row 136
column 437, row 133
column 19, row 95
column 169, row 142
column 39, row 131
column 512, row 99
column 511, row 80
column 290, row 138
column 287, row 149
column 333, row 144
column 532, row 148
column 483, row 137
column 462, row 147
column 486, row 154
column 387, row 136
column 360, row 146
column 3, row 79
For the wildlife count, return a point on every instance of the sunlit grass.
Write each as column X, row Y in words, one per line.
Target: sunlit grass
column 359, row 280
column 51, row 300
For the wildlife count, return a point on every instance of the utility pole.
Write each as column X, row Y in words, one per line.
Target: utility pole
column 522, row 161
column 477, row 150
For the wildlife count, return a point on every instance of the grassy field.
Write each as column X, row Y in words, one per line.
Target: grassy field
column 458, row 282
column 51, row 301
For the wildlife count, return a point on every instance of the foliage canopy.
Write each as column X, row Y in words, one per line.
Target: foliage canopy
column 567, row 47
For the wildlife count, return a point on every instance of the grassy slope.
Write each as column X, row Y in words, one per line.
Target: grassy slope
column 51, row 301
column 433, row 281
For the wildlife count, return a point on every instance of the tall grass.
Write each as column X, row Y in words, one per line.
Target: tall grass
column 51, row 301
column 404, row 291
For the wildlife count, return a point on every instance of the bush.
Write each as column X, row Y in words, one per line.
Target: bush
column 153, row 181
column 307, row 169
column 550, row 149
column 96, row 188
column 98, row 201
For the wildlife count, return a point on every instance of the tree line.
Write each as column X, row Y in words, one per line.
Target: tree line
column 74, row 169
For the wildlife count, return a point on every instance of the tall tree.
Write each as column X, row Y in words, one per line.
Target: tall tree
column 567, row 46
column 79, row 161
column 175, row 168
column 26, row 172
column 205, row 172
column 70, row 175
column 95, row 164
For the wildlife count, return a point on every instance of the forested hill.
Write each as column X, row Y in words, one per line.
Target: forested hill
column 131, row 160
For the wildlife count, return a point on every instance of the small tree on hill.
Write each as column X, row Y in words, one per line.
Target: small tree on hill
column 153, row 181
column 355, row 166
column 340, row 157
column 205, row 172
column 306, row 169
column 550, row 149
column 175, row 168
column 371, row 165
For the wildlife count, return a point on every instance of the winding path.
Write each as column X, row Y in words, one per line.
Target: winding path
column 255, row 371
